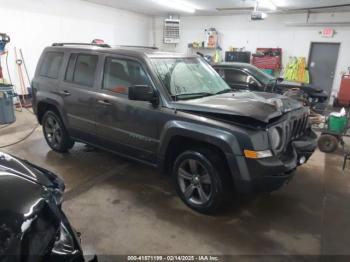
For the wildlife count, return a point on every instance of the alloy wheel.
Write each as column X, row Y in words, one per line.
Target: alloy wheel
column 195, row 182
column 53, row 131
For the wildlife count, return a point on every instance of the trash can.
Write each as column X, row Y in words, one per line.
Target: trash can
column 7, row 112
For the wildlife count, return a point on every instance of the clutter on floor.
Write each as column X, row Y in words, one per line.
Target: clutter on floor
column 336, row 128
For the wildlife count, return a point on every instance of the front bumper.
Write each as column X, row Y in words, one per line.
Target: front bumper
column 270, row 174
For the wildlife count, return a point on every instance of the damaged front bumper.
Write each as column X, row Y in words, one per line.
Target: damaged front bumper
column 270, row 174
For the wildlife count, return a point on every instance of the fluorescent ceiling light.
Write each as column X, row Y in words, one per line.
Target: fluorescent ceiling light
column 179, row 5
column 267, row 4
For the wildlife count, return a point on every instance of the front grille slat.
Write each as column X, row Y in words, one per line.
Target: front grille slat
column 298, row 127
column 293, row 130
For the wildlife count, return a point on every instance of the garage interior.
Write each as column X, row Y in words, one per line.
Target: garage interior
column 122, row 207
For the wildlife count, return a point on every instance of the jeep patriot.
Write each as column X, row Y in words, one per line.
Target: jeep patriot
column 174, row 112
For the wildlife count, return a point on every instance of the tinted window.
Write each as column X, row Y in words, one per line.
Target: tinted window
column 70, row 68
column 120, row 74
column 51, row 64
column 236, row 76
column 81, row 69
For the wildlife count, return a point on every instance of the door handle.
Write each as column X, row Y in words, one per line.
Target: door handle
column 64, row 93
column 104, row 102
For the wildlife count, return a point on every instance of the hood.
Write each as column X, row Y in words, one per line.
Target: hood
column 257, row 105
column 27, row 170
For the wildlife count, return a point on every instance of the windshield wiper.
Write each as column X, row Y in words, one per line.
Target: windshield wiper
column 224, row 91
column 193, row 95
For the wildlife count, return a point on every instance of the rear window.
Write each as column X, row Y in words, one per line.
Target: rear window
column 51, row 65
column 81, row 69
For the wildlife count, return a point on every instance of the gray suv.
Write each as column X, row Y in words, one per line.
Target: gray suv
column 173, row 112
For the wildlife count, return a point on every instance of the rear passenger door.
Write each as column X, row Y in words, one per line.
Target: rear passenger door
column 78, row 90
column 46, row 80
column 125, row 126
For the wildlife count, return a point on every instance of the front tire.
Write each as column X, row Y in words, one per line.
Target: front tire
column 55, row 133
column 202, row 181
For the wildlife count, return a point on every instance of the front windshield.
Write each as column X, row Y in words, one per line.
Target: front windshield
column 189, row 78
column 259, row 74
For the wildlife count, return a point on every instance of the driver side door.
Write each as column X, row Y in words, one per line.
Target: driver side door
column 125, row 126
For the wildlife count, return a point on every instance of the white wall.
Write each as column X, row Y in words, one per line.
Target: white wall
column 239, row 31
column 35, row 24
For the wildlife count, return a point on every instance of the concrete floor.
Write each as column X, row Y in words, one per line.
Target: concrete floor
column 122, row 207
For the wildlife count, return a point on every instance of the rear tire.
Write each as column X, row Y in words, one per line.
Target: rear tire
column 202, row 180
column 328, row 143
column 55, row 133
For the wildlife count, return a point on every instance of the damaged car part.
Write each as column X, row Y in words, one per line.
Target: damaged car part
column 33, row 226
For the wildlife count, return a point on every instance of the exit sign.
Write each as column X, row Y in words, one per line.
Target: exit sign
column 328, row 32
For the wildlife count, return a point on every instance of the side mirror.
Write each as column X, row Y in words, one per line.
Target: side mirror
column 280, row 79
column 143, row 93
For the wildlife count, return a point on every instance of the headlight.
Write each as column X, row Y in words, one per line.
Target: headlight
column 276, row 138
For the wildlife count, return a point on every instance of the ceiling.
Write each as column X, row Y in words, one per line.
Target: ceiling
column 212, row 7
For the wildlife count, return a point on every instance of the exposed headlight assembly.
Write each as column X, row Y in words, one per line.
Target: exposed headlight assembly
column 276, row 138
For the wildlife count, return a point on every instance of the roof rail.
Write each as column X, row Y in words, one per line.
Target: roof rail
column 139, row 46
column 86, row 44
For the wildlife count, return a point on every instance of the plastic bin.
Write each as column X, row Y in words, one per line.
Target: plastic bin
column 337, row 124
column 7, row 112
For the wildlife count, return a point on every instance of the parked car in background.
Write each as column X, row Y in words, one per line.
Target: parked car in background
column 32, row 224
column 174, row 112
column 248, row 77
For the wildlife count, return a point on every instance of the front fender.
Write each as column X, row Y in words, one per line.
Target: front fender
column 222, row 139
column 219, row 138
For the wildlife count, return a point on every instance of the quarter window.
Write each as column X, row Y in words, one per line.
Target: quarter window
column 51, row 65
column 120, row 74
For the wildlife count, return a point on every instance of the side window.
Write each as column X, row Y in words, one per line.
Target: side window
column 221, row 72
column 81, row 69
column 51, row 65
column 70, row 68
column 120, row 74
column 235, row 76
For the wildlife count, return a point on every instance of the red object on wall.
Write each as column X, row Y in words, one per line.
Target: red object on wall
column 344, row 91
column 272, row 59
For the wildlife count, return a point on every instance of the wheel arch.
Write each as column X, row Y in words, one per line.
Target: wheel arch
column 179, row 136
column 45, row 106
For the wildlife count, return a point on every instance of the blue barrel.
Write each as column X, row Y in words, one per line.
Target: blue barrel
column 7, row 111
